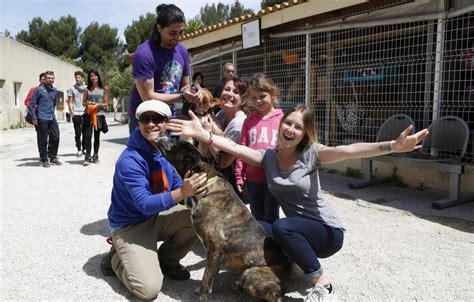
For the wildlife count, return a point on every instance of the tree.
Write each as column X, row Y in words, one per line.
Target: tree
column 193, row 25
column 100, row 48
column 60, row 38
column 214, row 14
column 237, row 10
column 139, row 31
column 37, row 34
column 266, row 3
column 120, row 85
column 63, row 37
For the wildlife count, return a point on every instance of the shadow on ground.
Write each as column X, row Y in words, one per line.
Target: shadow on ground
column 92, row 268
column 121, row 141
column 100, row 227
column 416, row 202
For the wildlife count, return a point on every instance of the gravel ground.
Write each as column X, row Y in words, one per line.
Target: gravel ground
column 53, row 230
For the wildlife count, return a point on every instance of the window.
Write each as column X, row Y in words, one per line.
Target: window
column 2, row 82
column 16, row 91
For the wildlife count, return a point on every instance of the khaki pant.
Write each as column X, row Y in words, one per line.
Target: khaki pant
column 137, row 261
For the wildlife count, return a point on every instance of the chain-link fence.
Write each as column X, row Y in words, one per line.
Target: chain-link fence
column 355, row 78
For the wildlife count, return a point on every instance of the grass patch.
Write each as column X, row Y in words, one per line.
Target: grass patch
column 354, row 173
column 396, row 180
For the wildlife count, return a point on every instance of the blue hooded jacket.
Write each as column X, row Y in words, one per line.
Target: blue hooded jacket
column 142, row 183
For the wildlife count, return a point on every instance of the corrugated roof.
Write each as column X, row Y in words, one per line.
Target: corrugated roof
column 247, row 17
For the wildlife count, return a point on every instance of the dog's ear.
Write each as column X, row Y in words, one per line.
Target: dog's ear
column 217, row 102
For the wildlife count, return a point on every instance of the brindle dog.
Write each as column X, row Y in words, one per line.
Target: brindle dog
column 228, row 230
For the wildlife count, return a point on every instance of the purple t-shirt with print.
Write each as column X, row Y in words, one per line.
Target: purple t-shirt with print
column 165, row 66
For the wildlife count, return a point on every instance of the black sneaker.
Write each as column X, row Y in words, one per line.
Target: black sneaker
column 106, row 263
column 55, row 161
column 95, row 159
column 175, row 272
column 87, row 161
column 45, row 164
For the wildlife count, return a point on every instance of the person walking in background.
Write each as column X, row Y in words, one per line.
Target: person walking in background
column 144, row 209
column 42, row 111
column 259, row 131
column 96, row 101
column 312, row 228
column 228, row 73
column 160, row 65
column 76, row 110
column 42, row 79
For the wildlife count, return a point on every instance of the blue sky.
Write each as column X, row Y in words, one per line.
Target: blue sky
column 15, row 14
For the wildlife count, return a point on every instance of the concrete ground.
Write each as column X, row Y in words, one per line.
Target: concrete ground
column 54, row 225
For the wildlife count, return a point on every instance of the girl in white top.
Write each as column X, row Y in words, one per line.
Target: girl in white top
column 311, row 228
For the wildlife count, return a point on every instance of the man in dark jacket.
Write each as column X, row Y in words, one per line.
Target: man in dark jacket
column 41, row 109
column 144, row 209
column 228, row 73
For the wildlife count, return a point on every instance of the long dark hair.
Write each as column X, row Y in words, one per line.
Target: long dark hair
column 167, row 14
column 89, row 82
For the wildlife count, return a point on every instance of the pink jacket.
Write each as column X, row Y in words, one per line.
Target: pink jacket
column 257, row 133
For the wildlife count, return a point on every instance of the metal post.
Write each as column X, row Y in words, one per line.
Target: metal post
column 329, row 71
column 430, row 47
column 307, row 70
column 438, row 70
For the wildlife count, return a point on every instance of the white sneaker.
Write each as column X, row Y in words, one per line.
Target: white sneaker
column 79, row 153
column 319, row 294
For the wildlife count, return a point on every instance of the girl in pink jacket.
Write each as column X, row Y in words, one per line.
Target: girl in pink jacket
column 259, row 131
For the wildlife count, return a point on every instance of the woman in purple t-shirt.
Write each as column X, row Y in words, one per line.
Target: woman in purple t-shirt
column 160, row 65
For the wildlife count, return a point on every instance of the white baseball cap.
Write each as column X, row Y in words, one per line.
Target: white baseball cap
column 154, row 106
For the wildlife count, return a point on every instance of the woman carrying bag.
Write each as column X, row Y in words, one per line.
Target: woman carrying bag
column 96, row 100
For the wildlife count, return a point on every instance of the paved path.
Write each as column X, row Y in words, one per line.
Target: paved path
column 53, row 230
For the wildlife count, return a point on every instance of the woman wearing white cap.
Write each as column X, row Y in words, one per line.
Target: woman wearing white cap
column 144, row 210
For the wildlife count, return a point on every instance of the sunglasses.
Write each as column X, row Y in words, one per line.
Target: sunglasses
column 155, row 119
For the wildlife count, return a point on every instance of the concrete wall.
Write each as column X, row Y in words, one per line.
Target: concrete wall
column 22, row 64
column 412, row 177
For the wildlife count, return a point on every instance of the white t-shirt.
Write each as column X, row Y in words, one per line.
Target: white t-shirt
column 77, row 93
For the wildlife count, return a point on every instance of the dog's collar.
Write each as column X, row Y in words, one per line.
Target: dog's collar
column 211, row 180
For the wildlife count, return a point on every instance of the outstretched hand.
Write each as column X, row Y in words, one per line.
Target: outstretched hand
column 406, row 142
column 187, row 128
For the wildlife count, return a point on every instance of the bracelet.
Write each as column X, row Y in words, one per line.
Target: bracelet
column 209, row 142
column 183, row 99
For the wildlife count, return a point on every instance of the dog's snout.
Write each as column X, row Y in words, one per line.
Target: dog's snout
column 164, row 144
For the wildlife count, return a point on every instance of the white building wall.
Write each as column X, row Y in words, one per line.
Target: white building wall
column 22, row 64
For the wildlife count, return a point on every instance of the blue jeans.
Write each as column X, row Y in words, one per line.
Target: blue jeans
column 262, row 203
column 304, row 241
column 48, row 139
